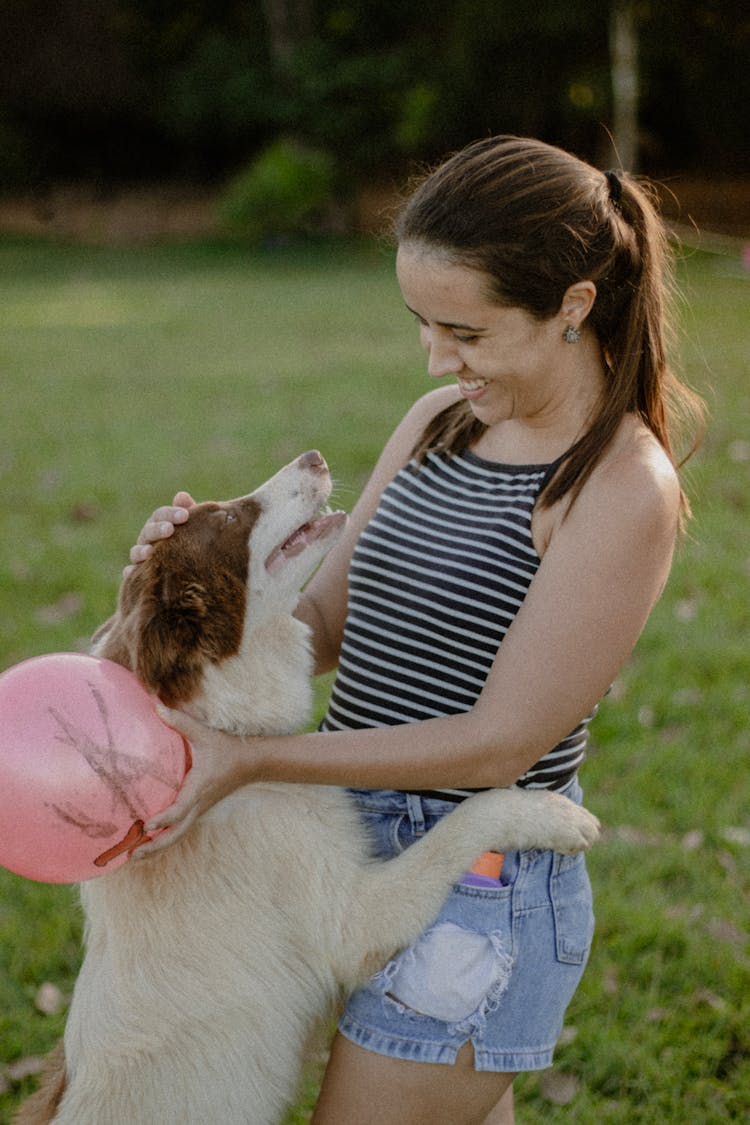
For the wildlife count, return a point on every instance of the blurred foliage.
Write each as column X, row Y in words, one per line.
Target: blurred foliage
column 284, row 190
column 137, row 89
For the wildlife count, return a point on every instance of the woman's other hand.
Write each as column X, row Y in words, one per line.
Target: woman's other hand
column 160, row 525
column 220, row 763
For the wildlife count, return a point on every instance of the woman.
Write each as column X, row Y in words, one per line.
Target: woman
column 502, row 561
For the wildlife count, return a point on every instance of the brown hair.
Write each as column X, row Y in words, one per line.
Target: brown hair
column 535, row 220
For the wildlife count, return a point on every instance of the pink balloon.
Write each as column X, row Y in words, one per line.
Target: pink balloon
column 84, row 762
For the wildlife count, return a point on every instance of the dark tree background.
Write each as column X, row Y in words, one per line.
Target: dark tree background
column 134, row 91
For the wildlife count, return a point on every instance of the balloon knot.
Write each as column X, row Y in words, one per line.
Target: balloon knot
column 134, row 836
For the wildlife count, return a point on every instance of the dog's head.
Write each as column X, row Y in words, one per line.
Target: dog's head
column 233, row 566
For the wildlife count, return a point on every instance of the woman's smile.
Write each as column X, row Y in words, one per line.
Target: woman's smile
column 472, row 389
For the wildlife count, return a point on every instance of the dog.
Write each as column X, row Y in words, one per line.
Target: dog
column 207, row 963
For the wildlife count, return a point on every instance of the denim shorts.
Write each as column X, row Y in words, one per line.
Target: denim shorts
column 498, row 967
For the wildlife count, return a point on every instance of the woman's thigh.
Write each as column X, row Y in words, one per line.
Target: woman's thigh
column 371, row 1089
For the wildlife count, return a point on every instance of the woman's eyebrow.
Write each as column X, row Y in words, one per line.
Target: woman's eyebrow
column 447, row 323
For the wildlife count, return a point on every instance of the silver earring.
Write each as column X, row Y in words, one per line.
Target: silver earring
column 571, row 335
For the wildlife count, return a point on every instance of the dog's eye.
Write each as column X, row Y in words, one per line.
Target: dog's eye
column 231, row 517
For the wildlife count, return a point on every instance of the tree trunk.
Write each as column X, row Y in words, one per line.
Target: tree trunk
column 289, row 22
column 623, row 49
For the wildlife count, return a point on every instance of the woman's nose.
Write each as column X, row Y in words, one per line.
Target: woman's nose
column 442, row 357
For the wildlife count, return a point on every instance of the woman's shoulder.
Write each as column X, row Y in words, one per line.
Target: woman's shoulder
column 637, row 479
column 637, row 457
column 634, row 483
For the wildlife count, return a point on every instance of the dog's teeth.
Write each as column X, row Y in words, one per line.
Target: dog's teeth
column 317, row 528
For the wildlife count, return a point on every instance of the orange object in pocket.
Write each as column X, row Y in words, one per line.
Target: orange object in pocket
column 489, row 864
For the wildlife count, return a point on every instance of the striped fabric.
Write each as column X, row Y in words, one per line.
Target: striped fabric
column 435, row 581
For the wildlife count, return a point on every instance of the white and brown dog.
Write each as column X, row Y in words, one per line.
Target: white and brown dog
column 206, row 964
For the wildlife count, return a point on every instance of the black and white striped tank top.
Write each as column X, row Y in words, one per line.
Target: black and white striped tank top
column 435, row 581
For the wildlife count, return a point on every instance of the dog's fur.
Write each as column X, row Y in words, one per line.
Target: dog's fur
column 206, row 964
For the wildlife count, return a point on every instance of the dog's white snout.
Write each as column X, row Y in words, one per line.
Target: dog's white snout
column 312, row 460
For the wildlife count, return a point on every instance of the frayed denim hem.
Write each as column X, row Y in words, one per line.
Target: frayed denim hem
column 441, row 1052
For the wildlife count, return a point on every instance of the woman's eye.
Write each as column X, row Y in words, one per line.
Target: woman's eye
column 471, row 338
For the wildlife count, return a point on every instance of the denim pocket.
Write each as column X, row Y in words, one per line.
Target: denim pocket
column 570, row 891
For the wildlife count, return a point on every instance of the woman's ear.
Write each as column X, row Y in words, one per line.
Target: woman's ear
column 578, row 302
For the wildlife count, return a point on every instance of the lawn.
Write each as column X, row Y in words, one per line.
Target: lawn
column 130, row 373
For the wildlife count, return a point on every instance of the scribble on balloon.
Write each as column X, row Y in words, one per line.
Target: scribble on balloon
column 119, row 771
column 94, row 829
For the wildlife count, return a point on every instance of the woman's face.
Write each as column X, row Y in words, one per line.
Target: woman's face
column 507, row 363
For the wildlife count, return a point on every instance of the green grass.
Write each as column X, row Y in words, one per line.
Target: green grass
column 129, row 374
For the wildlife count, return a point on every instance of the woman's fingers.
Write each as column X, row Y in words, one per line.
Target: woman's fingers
column 218, row 766
column 183, row 500
column 206, row 781
column 139, row 553
column 179, row 721
column 186, row 802
column 166, row 838
column 162, row 524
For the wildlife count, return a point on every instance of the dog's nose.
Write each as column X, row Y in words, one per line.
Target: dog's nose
column 312, row 460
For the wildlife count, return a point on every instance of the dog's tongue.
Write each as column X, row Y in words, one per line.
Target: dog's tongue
column 302, row 538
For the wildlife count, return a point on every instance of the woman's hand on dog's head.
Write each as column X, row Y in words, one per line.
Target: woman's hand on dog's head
column 160, row 525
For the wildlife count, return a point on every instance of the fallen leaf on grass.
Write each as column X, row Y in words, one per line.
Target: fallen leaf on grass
column 687, row 697
column 558, row 1088
column 629, row 834
column 49, row 1000
column 739, row 836
column 721, row 929
column 686, row 610
column 24, row 1068
column 706, row 996
column 611, row 983
column 85, row 511
column 739, row 451
column 66, row 607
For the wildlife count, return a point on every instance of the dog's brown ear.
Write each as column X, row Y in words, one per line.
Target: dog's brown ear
column 170, row 637
column 114, row 640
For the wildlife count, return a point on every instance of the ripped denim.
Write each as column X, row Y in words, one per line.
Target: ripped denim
column 498, row 967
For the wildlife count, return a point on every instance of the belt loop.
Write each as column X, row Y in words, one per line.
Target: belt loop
column 416, row 813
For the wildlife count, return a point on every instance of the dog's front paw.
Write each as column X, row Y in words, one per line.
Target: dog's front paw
column 566, row 826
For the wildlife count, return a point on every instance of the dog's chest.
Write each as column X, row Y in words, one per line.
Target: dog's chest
column 265, row 689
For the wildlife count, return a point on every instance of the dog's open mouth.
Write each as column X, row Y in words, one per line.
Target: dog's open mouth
column 303, row 536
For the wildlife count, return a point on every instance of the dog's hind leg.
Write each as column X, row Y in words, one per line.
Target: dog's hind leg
column 42, row 1106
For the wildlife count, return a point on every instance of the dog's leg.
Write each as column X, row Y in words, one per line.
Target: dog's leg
column 398, row 899
column 42, row 1106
